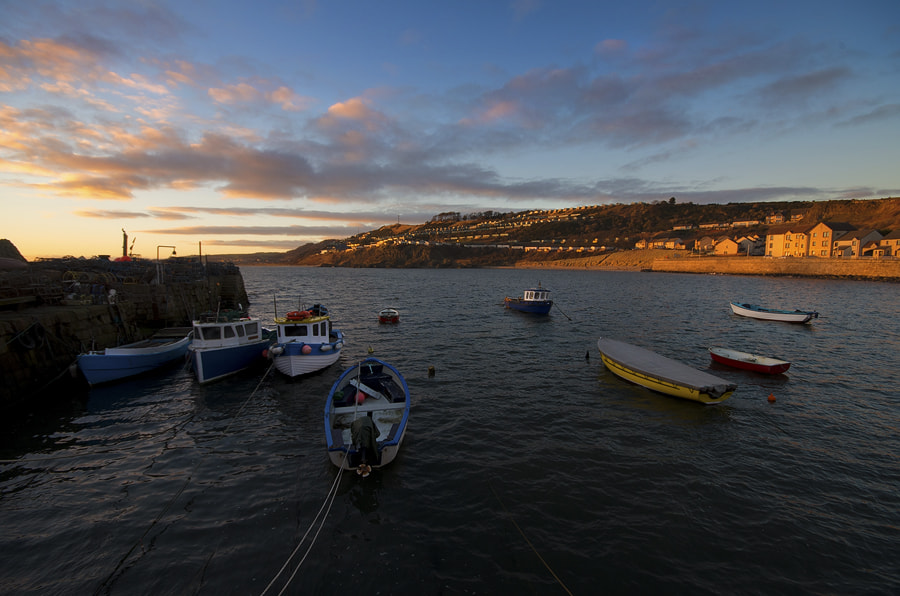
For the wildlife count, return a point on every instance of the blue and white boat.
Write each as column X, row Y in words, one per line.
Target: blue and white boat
column 366, row 415
column 306, row 342
column 225, row 343
column 112, row 364
column 535, row 300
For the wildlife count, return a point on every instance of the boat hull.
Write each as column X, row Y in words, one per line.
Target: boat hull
column 389, row 315
column 535, row 307
column 751, row 362
column 772, row 314
column 661, row 374
column 212, row 364
column 295, row 358
column 114, row 364
column 294, row 363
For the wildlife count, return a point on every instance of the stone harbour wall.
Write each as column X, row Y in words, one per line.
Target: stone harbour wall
column 41, row 337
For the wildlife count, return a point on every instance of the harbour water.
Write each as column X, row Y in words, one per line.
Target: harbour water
column 527, row 467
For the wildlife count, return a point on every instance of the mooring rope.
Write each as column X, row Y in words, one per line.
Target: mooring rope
column 329, row 500
column 181, row 490
column 527, row 541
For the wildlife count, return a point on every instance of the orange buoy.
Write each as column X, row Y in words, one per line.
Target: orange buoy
column 771, row 398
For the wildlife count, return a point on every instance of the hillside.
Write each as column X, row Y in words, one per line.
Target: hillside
column 482, row 240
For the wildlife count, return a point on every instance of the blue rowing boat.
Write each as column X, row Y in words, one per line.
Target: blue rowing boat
column 113, row 364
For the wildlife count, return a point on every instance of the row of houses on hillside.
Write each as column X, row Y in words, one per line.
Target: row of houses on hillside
column 823, row 239
column 752, row 245
column 830, row 239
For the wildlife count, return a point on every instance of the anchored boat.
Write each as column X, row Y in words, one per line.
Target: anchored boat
column 656, row 372
column 306, row 342
column 366, row 414
column 389, row 315
column 747, row 361
column 113, row 364
column 533, row 300
column 225, row 343
column 773, row 314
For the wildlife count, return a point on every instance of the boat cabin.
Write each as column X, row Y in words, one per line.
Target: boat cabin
column 538, row 294
column 223, row 333
column 313, row 330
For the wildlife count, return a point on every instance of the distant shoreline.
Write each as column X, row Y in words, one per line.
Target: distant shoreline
column 668, row 261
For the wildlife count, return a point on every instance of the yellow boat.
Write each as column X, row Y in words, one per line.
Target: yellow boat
column 658, row 373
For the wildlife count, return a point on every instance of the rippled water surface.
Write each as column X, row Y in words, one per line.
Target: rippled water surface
column 527, row 467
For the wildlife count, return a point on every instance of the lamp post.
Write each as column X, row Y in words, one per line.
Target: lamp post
column 159, row 270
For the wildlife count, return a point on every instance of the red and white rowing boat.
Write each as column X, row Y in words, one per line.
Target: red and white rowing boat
column 747, row 361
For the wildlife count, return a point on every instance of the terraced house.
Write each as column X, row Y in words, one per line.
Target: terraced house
column 790, row 240
column 824, row 239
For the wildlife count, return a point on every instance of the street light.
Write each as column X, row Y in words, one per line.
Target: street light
column 159, row 269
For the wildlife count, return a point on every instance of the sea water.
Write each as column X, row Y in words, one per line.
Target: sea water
column 527, row 467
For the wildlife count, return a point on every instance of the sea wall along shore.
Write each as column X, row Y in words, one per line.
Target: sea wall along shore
column 874, row 269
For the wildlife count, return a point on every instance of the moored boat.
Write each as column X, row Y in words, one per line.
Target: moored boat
column 305, row 342
column 755, row 311
column 665, row 375
column 389, row 315
column 366, row 415
column 112, row 364
column 747, row 361
column 533, row 300
column 225, row 343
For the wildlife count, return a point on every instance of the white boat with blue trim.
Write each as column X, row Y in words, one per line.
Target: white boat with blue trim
column 225, row 343
column 773, row 314
column 306, row 342
column 366, row 415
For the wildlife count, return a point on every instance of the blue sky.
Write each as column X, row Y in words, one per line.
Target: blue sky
column 262, row 126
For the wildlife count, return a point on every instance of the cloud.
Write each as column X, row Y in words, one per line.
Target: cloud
column 883, row 112
column 107, row 214
column 800, row 88
column 611, row 47
column 662, row 99
column 523, row 8
column 301, row 231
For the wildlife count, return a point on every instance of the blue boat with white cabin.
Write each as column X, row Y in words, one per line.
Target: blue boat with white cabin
column 227, row 342
column 534, row 300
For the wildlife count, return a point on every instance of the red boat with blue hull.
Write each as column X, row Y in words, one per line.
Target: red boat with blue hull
column 534, row 300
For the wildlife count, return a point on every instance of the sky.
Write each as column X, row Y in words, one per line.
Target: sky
column 237, row 127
